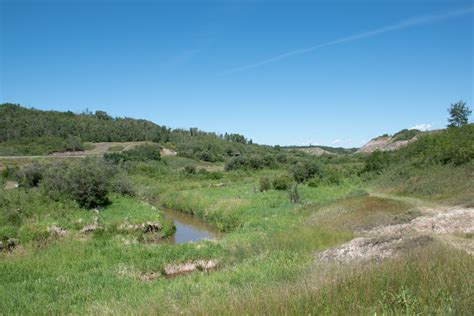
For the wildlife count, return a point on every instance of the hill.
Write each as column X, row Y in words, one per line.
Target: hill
column 25, row 131
column 388, row 143
column 323, row 150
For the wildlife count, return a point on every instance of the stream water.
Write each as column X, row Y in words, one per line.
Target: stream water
column 189, row 228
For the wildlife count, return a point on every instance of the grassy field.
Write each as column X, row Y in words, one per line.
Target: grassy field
column 266, row 257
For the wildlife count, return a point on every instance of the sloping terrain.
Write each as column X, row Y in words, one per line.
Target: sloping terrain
column 323, row 150
column 316, row 151
column 384, row 143
column 448, row 225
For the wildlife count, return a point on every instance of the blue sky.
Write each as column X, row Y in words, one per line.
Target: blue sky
column 279, row 72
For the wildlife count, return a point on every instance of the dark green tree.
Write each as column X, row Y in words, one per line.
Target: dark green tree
column 458, row 114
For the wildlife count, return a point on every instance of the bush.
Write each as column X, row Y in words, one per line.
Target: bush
column 294, row 194
column 282, row 182
column 305, row 170
column 314, row 183
column 264, row 184
column 253, row 162
column 190, row 169
column 122, row 185
column 377, row 161
column 87, row 182
column 452, row 146
column 31, row 175
column 10, row 172
column 74, row 143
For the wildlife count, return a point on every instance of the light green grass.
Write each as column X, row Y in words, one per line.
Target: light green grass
column 266, row 257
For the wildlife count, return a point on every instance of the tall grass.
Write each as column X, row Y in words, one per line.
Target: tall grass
column 435, row 280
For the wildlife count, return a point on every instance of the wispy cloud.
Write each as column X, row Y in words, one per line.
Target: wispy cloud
column 431, row 18
column 422, row 127
column 181, row 58
column 336, row 141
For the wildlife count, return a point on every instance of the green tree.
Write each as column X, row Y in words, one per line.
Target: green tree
column 458, row 114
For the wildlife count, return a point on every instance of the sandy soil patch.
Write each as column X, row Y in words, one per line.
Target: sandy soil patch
column 387, row 241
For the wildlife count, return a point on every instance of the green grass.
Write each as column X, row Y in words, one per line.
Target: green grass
column 448, row 184
column 266, row 257
column 435, row 280
column 27, row 215
column 363, row 213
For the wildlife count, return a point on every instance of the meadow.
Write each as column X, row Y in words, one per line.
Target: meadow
column 71, row 249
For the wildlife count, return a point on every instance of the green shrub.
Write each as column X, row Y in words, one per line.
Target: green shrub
column 282, row 182
column 73, row 143
column 332, row 176
column 87, row 182
column 451, row 146
column 31, row 175
column 294, row 194
column 264, row 184
column 305, row 170
column 314, row 183
column 377, row 161
column 122, row 185
column 190, row 169
column 10, row 172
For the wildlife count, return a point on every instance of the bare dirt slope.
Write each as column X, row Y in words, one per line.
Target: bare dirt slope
column 453, row 226
column 315, row 151
column 384, row 144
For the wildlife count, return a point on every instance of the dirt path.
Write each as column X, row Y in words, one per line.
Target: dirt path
column 451, row 225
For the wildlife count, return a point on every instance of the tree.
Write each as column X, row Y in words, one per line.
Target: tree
column 459, row 114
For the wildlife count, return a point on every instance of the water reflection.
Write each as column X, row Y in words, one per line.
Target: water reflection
column 189, row 228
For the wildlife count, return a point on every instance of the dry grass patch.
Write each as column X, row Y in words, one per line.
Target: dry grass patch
column 363, row 213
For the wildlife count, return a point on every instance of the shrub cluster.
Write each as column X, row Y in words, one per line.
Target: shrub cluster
column 305, row 170
column 87, row 182
column 251, row 162
column 264, row 184
column 454, row 145
column 282, row 182
column 377, row 161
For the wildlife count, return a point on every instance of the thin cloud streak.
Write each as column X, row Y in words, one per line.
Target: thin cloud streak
column 391, row 28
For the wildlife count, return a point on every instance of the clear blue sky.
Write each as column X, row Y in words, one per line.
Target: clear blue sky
column 279, row 72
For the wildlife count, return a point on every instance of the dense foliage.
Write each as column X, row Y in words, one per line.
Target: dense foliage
column 34, row 132
column 87, row 182
column 458, row 114
column 22, row 124
column 305, row 170
column 454, row 146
